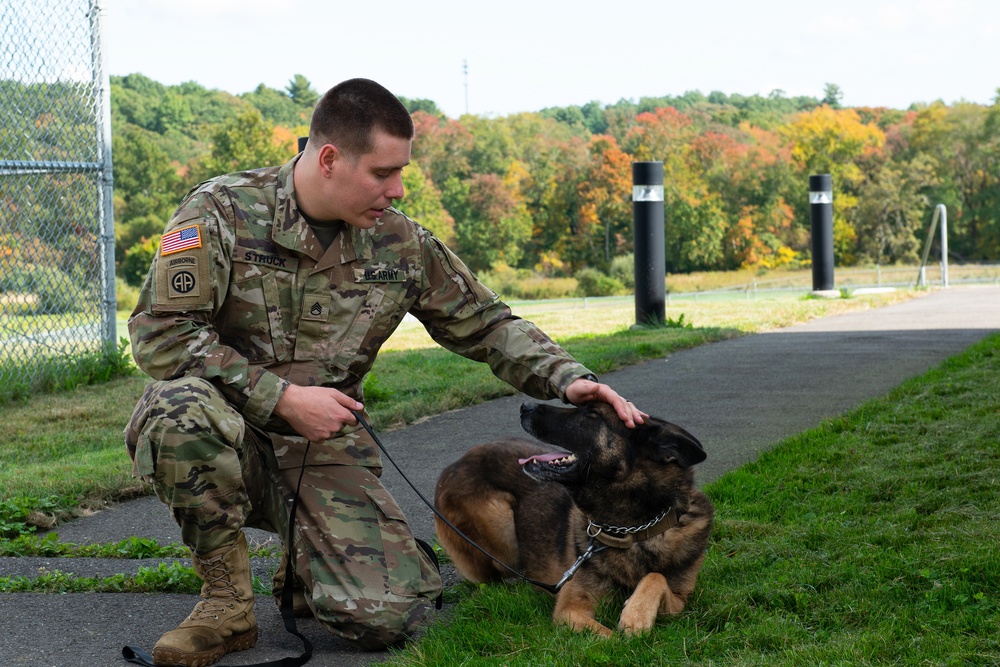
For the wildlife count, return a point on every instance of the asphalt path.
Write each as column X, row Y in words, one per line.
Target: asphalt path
column 739, row 397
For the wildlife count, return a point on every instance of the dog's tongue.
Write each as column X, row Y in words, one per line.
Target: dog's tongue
column 543, row 458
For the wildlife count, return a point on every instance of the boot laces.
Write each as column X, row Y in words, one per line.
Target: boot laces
column 219, row 594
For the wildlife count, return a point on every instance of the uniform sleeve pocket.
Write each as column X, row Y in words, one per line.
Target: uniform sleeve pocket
column 142, row 462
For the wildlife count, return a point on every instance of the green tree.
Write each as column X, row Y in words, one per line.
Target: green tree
column 301, row 91
column 135, row 98
column 964, row 140
column 496, row 225
column 554, row 202
column 172, row 113
column 246, row 141
column 605, row 219
column 493, row 145
column 890, row 211
column 836, row 142
column 138, row 258
column 441, row 146
column 276, row 107
column 145, row 180
column 428, row 107
column 422, row 202
column 696, row 223
column 146, row 187
column 832, row 95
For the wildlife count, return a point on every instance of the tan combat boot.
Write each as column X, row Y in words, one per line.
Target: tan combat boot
column 300, row 606
column 223, row 621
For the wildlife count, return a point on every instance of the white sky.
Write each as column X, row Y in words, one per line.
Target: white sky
column 527, row 55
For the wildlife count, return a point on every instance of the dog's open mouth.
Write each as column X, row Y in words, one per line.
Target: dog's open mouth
column 554, row 461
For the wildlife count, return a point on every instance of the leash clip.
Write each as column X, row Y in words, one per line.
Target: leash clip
column 585, row 556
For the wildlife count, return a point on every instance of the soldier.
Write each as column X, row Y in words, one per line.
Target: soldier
column 263, row 310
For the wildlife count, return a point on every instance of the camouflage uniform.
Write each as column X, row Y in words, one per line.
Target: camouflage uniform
column 245, row 302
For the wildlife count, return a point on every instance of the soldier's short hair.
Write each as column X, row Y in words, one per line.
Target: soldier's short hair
column 350, row 112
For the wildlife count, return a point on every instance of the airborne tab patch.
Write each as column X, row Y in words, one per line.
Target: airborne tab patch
column 377, row 275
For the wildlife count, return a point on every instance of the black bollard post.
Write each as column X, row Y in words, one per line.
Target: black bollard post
column 821, row 226
column 650, row 265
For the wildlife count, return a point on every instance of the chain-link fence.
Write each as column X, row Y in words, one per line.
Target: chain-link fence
column 57, row 298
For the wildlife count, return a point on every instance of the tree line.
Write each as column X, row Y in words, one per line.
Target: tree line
column 549, row 191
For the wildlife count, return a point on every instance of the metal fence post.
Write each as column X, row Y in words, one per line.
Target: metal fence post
column 106, row 193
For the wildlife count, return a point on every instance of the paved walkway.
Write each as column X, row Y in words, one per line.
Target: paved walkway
column 738, row 397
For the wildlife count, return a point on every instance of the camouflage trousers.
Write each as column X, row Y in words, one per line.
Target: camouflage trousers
column 364, row 575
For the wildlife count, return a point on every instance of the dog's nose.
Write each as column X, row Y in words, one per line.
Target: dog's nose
column 527, row 407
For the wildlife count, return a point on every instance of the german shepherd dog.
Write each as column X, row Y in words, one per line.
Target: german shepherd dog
column 625, row 494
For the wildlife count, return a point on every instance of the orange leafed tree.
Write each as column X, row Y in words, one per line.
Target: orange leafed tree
column 605, row 217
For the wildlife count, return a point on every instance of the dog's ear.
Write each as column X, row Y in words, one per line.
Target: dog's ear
column 671, row 443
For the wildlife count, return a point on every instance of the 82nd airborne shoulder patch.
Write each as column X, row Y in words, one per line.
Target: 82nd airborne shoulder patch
column 182, row 272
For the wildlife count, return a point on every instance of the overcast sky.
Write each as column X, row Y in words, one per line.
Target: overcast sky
column 525, row 55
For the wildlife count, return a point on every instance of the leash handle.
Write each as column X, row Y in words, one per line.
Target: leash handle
column 546, row 587
column 139, row 656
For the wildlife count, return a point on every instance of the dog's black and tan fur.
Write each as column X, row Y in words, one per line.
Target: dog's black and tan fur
column 609, row 475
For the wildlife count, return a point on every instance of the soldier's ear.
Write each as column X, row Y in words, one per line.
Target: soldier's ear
column 329, row 155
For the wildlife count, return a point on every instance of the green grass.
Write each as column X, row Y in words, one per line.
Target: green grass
column 62, row 454
column 62, row 370
column 172, row 577
column 870, row 540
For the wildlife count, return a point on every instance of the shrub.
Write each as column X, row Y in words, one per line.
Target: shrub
column 537, row 287
column 126, row 296
column 594, row 283
column 623, row 269
column 525, row 284
column 138, row 259
column 500, row 278
column 135, row 231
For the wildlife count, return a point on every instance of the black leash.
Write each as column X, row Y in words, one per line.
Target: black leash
column 140, row 656
column 592, row 548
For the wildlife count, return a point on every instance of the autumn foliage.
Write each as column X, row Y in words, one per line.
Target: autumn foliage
column 551, row 191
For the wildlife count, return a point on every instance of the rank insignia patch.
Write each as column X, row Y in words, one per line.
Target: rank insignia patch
column 316, row 308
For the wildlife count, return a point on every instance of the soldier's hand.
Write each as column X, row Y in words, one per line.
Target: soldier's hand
column 582, row 391
column 316, row 413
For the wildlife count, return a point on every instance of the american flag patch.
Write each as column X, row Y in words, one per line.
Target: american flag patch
column 182, row 239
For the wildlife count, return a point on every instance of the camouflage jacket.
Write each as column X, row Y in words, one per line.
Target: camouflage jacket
column 242, row 294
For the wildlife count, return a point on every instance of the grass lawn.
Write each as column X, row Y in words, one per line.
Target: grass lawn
column 62, row 453
column 870, row 540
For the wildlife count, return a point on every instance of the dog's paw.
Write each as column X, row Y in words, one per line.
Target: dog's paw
column 637, row 619
column 643, row 606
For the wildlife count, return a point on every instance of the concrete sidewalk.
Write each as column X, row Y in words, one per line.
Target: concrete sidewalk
column 738, row 397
